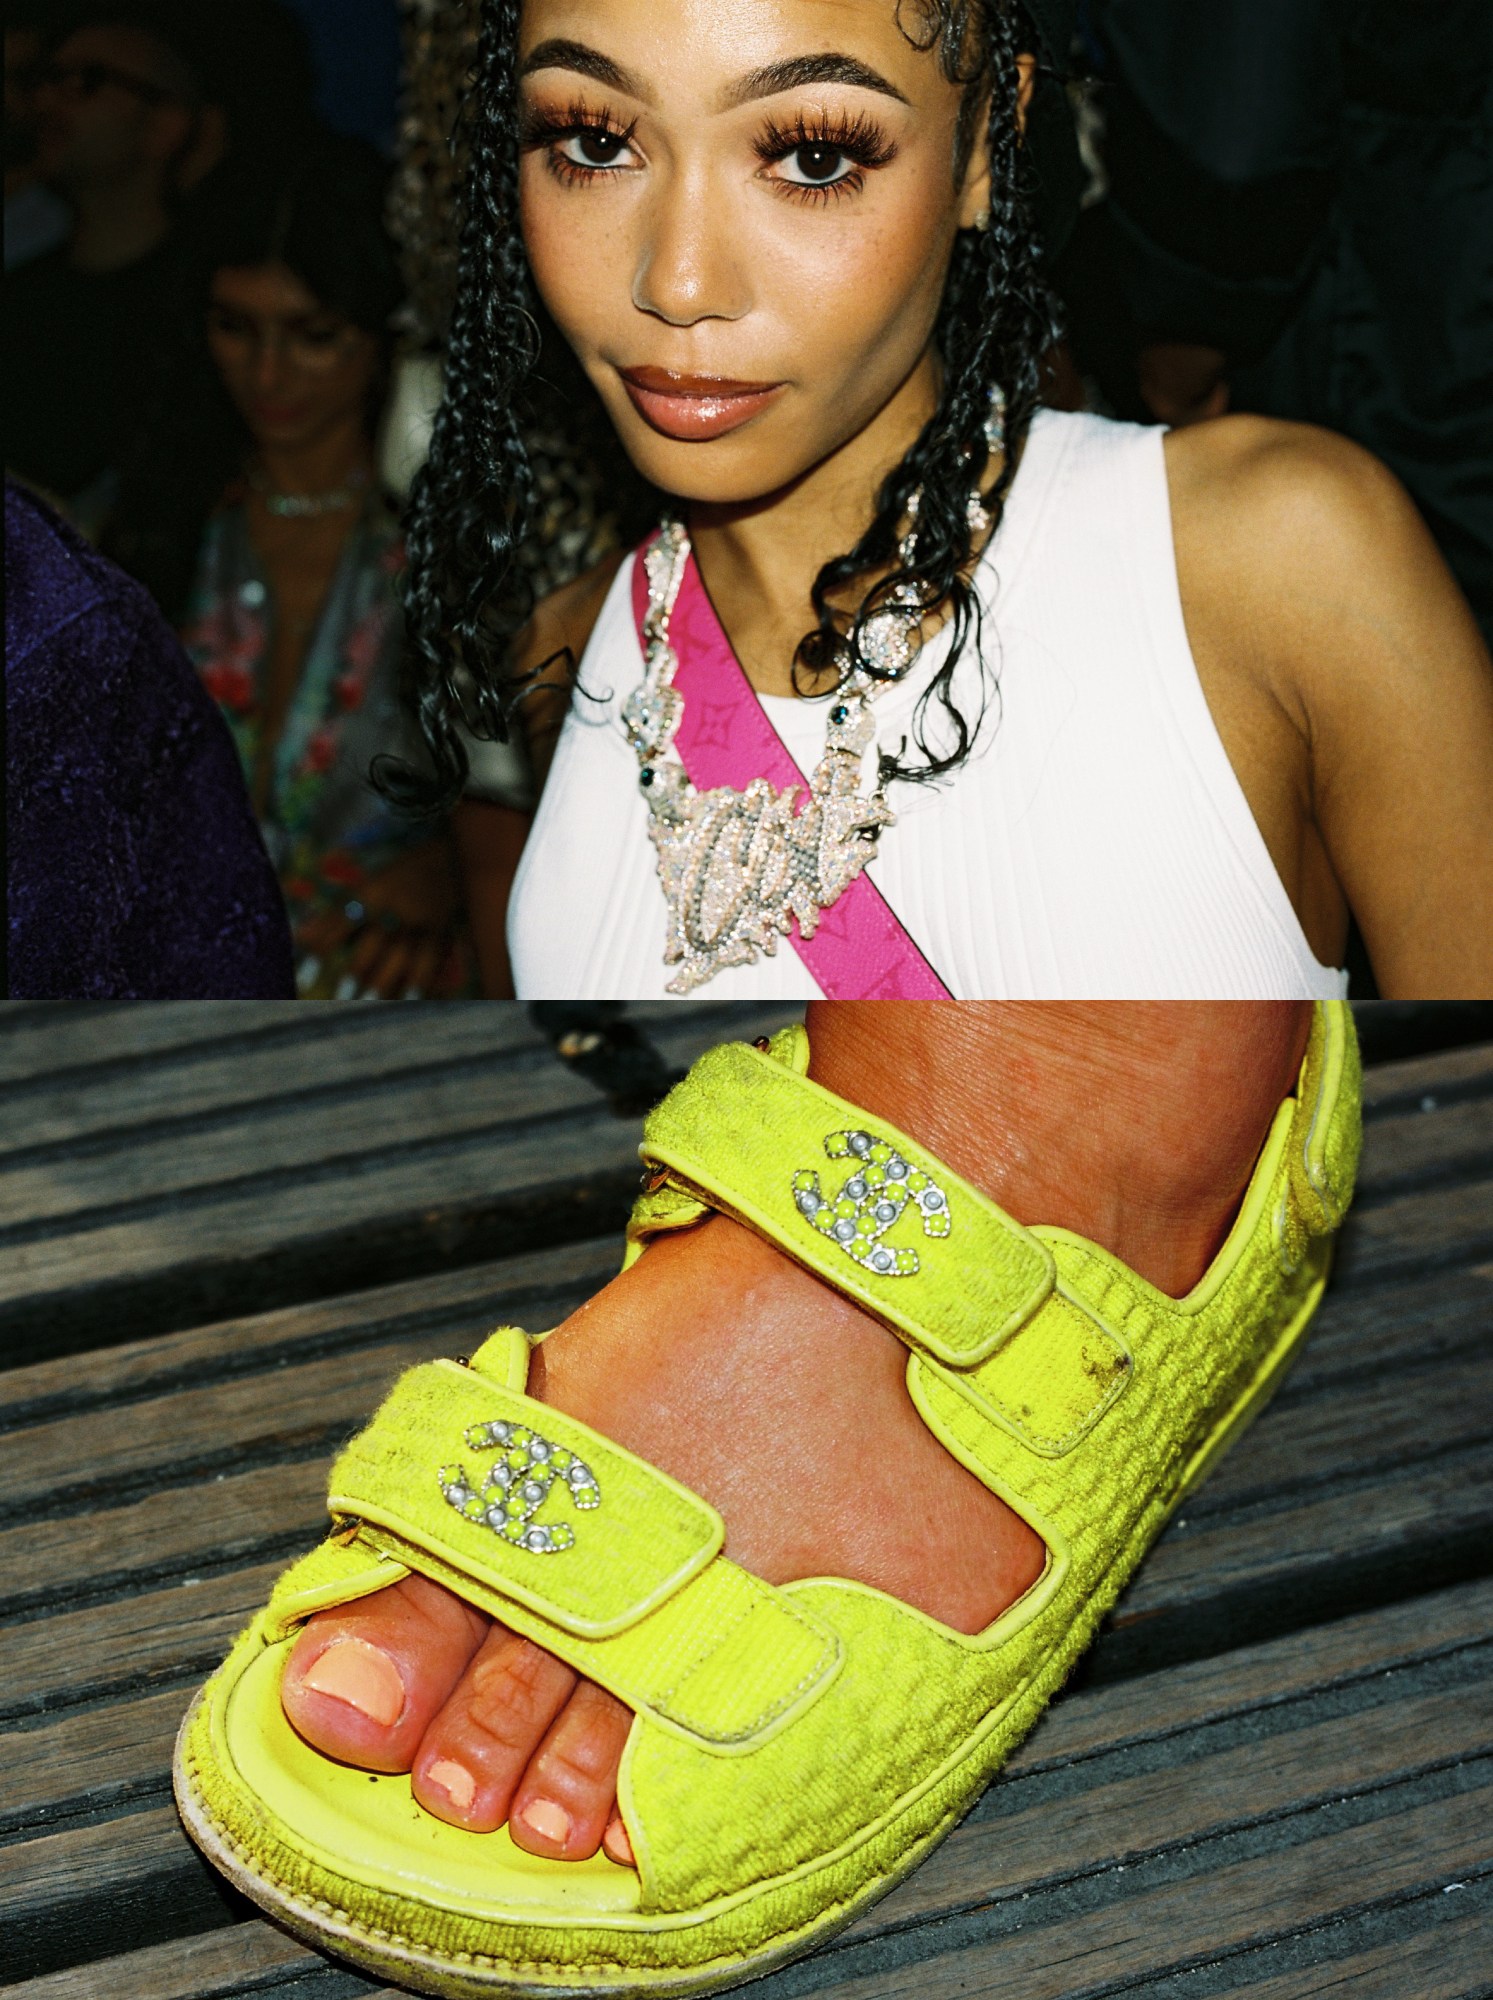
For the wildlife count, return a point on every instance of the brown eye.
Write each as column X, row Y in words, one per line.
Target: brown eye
column 593, row 147
column 818, row 165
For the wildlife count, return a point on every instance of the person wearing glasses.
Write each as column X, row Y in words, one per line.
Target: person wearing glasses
column 134, row 108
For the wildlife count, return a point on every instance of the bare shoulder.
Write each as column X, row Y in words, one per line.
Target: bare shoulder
column 553, row 640
column 1352, row 688
column 1308, row 553
column 1291, row 501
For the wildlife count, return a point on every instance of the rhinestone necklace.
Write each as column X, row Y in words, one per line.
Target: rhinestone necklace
column 307, row 506
column 738, row 867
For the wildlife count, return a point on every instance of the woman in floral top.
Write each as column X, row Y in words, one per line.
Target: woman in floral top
column 291, row 610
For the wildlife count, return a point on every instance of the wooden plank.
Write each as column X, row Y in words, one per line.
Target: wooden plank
column 38, row 1042
column 95, row 1759
column 47, row 1041
column 1013, row 1850
column 1147, row 1932
column 174, row 1636
column 526, row 1287
column 347, row 1116
column 1229, row 1580
column 1417, row 1323
column 1414, row 1234
column 65, row 1893
column 107, row 1107
column 312, row 1229
column 211, row 1079
column 1446, row 1961
column 1445, row 1074
column 1089, row 1719
column 1442, row 1962
column 1415, row 1147
column 225, row 1521
column 100, row 1455
column 241, row 1959
column 315, row 1229
column 325, row 1105
column 1358, row 1428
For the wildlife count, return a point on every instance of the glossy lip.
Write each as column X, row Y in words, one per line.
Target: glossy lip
column 694, row 408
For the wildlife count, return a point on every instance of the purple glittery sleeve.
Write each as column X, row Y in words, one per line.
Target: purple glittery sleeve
column 134, row 867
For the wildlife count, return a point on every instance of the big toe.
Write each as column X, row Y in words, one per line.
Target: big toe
column 363, row 1682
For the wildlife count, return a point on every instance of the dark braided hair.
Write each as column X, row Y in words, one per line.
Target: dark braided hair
column 510, row 379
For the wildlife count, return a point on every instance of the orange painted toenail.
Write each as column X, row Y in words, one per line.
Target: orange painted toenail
column 351, row 1670
column 550, row 1821
column 616, row 1842
column 455, row 1780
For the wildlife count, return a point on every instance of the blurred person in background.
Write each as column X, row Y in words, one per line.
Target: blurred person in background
column 36, row 219
column 275, row 549
column 1299, row 223
column 136, row 102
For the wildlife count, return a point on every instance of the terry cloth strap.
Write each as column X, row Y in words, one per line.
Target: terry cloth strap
column 860, row 950
column 846, row 1194
column 627, row 1585
column 524, row 1499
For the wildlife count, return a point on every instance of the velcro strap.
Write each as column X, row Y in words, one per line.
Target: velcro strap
column 524, row 1500
column 858, row 1202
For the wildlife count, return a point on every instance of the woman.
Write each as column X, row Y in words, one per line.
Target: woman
column 1115, row 714
column 280, row 555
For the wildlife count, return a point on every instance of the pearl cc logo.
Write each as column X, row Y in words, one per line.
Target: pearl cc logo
column 881, row 1184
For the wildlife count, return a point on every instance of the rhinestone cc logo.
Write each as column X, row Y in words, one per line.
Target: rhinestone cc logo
column 516, row 1485
column 880, row 1186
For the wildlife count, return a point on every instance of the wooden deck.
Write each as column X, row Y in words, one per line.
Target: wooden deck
column 223, row 1229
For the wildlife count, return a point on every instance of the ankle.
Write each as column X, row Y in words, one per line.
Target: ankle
column 1136, row 1124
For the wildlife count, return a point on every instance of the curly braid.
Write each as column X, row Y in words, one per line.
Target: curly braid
column 471, row 504
column 508, row 373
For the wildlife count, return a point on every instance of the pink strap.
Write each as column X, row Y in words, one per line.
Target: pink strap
column 859, row 951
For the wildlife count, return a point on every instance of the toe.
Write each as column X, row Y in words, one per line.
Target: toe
column 362, row 1682
column 476, row 1749
column 567, row 1796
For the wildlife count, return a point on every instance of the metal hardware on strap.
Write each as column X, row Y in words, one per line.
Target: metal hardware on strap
column 601, row 1540
column 859, row 1203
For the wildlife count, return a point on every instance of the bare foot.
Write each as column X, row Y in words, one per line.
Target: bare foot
column 1134, row 1124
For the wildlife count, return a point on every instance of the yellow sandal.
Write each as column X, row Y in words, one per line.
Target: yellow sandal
column 796, row 1750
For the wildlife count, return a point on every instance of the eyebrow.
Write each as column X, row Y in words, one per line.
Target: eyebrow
column 560, row 54
column 797, row 71
column 794, row 73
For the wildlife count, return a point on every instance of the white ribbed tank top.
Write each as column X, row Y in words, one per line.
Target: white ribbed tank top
column 1095, row 845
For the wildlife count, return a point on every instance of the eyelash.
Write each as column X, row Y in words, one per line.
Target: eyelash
column 540, row 128
column 859, row 138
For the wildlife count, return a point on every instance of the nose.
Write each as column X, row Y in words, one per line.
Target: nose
column 686, row 267
column 269, row 364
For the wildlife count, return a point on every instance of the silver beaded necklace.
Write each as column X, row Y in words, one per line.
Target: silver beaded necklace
column 738, row 867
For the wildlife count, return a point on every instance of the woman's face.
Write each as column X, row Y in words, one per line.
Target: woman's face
column 740, row 215
column 297, row 373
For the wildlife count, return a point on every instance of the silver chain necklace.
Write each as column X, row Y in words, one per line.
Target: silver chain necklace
column 738, row 867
